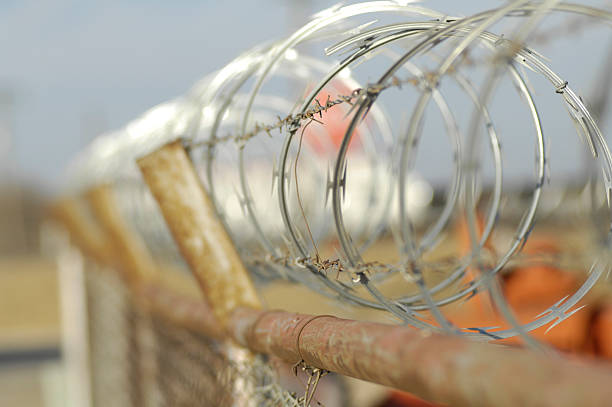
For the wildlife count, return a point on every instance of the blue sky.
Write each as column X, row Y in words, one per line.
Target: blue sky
column 79, row 67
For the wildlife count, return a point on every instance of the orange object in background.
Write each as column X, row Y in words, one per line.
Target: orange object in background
column 602, row 332
column 538, row 284
column 530, row 290
column 402, row 399
column 479, row 304
column 322, row 137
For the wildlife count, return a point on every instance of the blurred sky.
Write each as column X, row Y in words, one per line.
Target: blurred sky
column 76, row 68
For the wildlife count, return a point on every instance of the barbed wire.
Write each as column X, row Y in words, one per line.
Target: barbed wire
column 330, row 260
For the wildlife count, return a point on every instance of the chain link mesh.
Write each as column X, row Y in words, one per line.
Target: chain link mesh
column 139, row 358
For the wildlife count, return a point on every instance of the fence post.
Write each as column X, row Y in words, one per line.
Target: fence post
column 202, row 239
column 135, row 261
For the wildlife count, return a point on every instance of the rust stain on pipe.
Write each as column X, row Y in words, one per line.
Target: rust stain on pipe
column 202, row 239
column 439, row 368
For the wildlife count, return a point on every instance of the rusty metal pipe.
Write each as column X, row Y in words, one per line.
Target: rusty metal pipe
column 445, row 369
column 202, row 239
